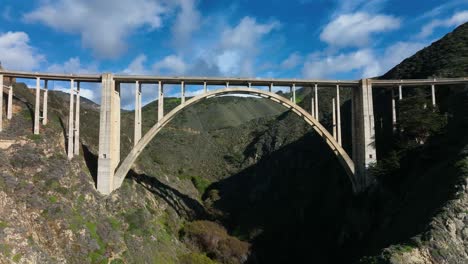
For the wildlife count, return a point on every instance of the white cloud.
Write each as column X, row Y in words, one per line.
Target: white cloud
column 363, row 63
column 319, row 66
column 354, row 30
column 137, row 66
column 72, row 65
column 239, row 46
column 103, row 25
column 397, row 52
column 457, row 19
column 17, row 54
column 187, row 21
column 246, row 34
column 171, row 64
column 292, row 61
column 91, row 94
column 351, row 6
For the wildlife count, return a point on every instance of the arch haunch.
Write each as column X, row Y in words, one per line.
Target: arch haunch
column 341, row 154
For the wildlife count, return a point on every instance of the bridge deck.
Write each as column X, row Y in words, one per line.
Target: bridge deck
column 230, row 80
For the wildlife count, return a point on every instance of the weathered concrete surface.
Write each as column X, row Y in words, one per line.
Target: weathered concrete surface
column 109, row 142
column 363, row 132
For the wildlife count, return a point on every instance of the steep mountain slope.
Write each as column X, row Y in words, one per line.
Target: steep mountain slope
column 422, row 213
column 240, row 180
column 446, row 57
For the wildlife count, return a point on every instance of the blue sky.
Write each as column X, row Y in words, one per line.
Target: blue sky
column 327, row 39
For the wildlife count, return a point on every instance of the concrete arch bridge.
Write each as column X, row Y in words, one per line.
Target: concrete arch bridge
column 112, row 170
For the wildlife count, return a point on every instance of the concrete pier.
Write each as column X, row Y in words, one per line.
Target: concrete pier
column 394, row 118
column 37, row 106
column 137, row 128
column 433, row 95
column 338, row 115
column 363, row 133
column 161, row 100
column 76, row 147
column 316, row 102
column 10, row 103
column 400, row 92
column 205, row 88
column 71, row 123
column 334, row 118
column 270, row 88
column 45, row 118
column 312, row 108
column 294, row 92
column 1, row 103
column 182, row 92
column 109, row 134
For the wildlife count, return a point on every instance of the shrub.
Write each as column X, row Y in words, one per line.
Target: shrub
column 195, row 258
column 214, row 240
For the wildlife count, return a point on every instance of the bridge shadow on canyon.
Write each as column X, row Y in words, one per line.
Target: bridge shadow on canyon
column 295, row 204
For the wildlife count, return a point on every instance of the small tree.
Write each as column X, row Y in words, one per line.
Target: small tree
column 418, row 119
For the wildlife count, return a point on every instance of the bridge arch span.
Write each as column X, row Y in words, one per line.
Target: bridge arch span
column 341, row 154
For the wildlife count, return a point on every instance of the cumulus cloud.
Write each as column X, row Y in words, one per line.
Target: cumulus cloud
column 364, row 63
column 457, row 19
column 322, row 66
column 103, row 25
column 16, row 52
column 72, row 65
column 239, row 45
column 355, row 30
column 137, row 66
column 171, row 64
column 292, row 61
column 187, row 21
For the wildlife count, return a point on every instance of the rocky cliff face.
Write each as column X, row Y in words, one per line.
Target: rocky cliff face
column 235, row 180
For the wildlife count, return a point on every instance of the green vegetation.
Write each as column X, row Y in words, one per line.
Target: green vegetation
column 195, row 258
column 35, row 138
column 53, row 199
column 3, row 225
column 200, row 183
column 16, row 258
column 214, row 239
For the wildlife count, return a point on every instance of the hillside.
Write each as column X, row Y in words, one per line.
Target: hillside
column 243, row 180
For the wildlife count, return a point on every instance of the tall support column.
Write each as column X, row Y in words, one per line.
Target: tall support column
column 205, row 88
column 71, row 128
column 394, row 118
column 10, row 103
column 182, row 92
column 227, row 84
column 137, row 129
column 400, row 92
column 338, row 115
column 161, row 100
column 334, row 118
column 270, row 88
column 290, row 93
column 433, row 95
column 316, row 102
column 45, row 118
column 250, row 85
column 77, row 121
column 294, row 92
column 1, row 102
column 109, row 135
column 363, row 131
column 312, row 107
column 37, row 107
